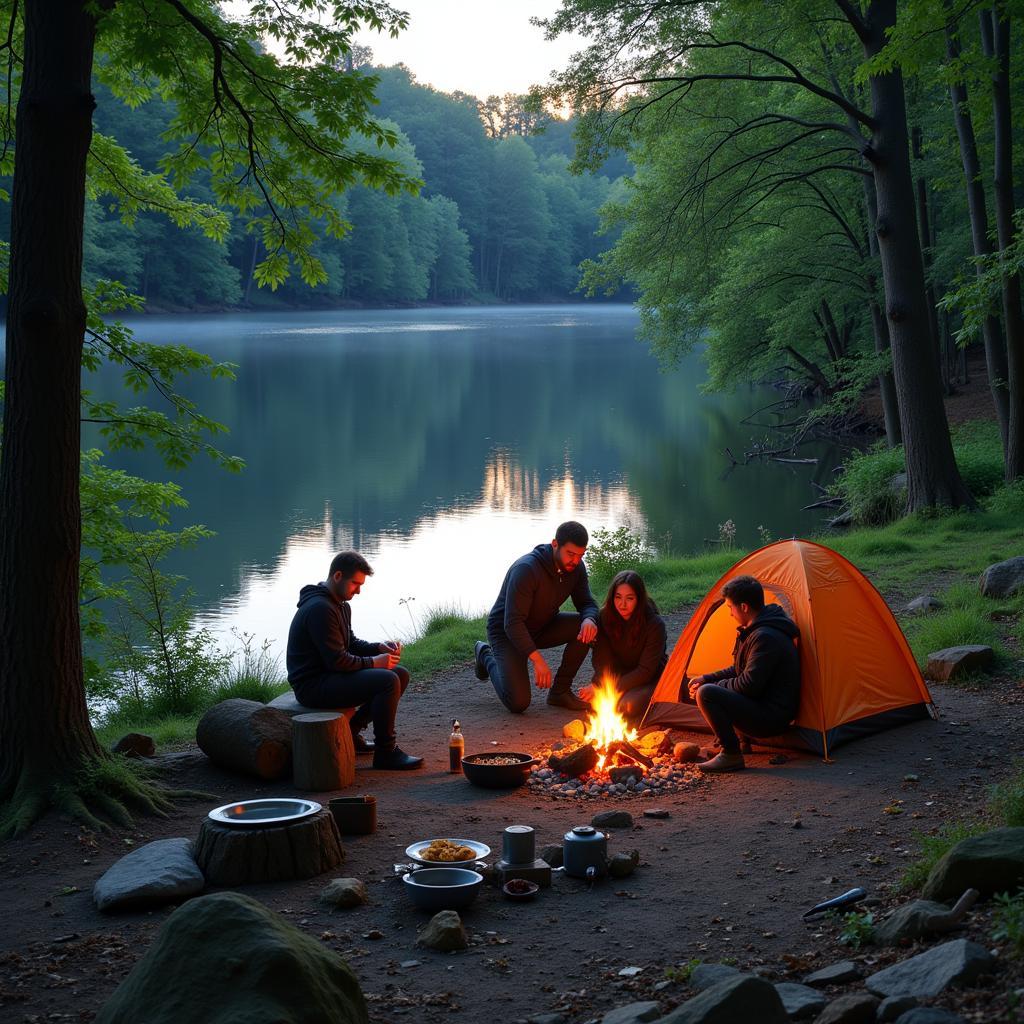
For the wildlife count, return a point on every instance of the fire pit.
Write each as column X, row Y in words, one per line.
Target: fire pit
column 610, row 759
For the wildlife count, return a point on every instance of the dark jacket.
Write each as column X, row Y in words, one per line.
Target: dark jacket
column 632, row 660
column 766, row 663
column 531, row 594
column 321, row 640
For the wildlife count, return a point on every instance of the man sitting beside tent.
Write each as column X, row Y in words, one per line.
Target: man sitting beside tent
column 760, row 692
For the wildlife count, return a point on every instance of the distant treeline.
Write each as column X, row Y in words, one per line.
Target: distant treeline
column 499, row 217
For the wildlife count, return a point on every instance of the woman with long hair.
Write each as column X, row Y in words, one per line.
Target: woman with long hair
column 631, row 643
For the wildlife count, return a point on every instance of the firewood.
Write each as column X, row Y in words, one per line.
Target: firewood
column 247, row 736
column 577, row 762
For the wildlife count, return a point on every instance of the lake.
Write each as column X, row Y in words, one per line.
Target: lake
column 443, row 444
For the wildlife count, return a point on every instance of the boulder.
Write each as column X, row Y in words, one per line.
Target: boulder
column 800, row 1001
column 835, row 974
column 686, row 753
column 954, row 662
column 612, row 819
column 855, row 1008
column 444, row 932
column 705, row 975
column 225, row 958
column 622, row 865
column 1004, row 578
column 345, row 892
column 135, row 744
column 743, row 998
column 576, row 762
column 922, row 917
column 893, row 1007
column 923, row 604
column 930, row 1015
column 552, row 854
column 992, row 862
column 574, row 730
column 632, row 1013
column 928, row 974
column 153, row 875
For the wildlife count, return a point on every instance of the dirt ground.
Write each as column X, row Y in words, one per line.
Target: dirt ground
column 726, row 876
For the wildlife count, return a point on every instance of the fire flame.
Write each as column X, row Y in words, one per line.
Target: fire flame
column 605, row 725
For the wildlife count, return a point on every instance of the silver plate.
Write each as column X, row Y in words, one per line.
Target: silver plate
column 264, row 813
column 479, row 850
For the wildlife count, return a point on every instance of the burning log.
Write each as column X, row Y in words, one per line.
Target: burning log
column 577, row 762
column 626, row 749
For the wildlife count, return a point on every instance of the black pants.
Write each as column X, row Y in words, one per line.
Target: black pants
column 726, row 710
column 508, row 668
column 374, row 691
column 633, row 703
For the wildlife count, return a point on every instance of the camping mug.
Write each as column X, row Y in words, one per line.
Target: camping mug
column 355, row 815
column 585, row 852
column 517, row 846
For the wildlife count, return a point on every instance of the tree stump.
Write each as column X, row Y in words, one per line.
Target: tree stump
column 241, row 856
column 323, row 755
column 247, row 736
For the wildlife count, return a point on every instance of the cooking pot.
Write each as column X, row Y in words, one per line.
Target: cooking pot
column 585, row 852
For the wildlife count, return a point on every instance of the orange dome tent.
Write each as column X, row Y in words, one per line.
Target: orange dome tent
column 857, row 673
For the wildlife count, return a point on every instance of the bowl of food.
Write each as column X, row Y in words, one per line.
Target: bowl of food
column 499, row 769
column 520, row 889
column 436, row 889
column 446, row 853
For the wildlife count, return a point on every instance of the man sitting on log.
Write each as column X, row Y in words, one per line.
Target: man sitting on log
column 330, row 667
column 525, row 618
column 760, row 692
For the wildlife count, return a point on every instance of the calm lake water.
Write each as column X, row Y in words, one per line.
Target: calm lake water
column 443, row 444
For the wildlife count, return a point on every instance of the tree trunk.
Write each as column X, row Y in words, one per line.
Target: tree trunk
column 932, row 475
column 43, row 718
column 1013, row 319
column 992, row 335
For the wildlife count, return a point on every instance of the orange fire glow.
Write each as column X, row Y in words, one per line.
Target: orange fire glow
column 605, row 725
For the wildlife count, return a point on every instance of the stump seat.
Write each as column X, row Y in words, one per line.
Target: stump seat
column 288, row 703
column 323, row 753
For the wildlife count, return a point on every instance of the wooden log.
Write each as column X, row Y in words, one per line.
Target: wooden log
column 323, row 755
column 247, row 736
column 242, row 856
column 575, row 763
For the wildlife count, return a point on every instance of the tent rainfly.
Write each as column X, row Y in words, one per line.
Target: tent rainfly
column 858, row 675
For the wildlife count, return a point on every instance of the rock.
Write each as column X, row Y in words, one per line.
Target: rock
column 632, row 1013
column 552, row 854
column 923, row 604
column 856, row 1008
column 930, row 1015
column 135, row 744
column 835, row 974
column 345, row 892
column 953, row 662
column 922, row 917
column 625, row 773
column 656, row 812
column 225, row 958
column 743, row 998
column 992, row 862
column 928, row 974
column 652, row 743
column 800, row 1001
column 706, row 975
column 612, row 819
column 444, row 932
column 892, row 1007
column 577, row 762
column 1004, row 578
column 622, row 865
column 155, row 874
column 686, row 753
column 574, row 730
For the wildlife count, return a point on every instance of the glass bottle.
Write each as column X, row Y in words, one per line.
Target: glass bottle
column 456, row 748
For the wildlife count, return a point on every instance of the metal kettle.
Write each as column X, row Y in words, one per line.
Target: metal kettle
column 585, row 852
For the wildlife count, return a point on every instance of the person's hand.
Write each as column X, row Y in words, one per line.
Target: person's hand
column 695, row 684
column 389, row 659
column 541, row 671
column 588, row 631
column 586, row 693
column 392, row 646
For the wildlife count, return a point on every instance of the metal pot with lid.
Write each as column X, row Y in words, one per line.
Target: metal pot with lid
column 585, row 852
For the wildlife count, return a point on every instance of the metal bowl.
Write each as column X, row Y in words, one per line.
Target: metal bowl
column 480, row 851
column 268, row 813
column 522, row 890
column 436, row 889
column 498, row 776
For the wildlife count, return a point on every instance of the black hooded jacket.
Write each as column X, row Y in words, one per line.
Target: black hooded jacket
column 321, row 640
column 766, row 662
column 533, row 590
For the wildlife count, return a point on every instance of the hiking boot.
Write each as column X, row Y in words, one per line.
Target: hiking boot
column 567, row 699
column 723, row 762
column 396, row 760
column 362, row 746
column 481, row 651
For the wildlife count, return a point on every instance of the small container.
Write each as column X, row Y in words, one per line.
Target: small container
column 519, row 890
column 355, row 815
column 456, row 748
column 585, row 852
column 517, row 846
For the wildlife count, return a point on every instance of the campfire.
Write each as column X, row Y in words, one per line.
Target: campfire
column 610, row 733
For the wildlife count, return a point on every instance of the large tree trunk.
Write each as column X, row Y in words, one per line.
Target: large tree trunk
column 43, row 719
column 997, row 44
column 992, row 335
column 932, row 475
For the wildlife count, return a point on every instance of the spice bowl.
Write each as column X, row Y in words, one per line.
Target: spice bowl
column 520, row 890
